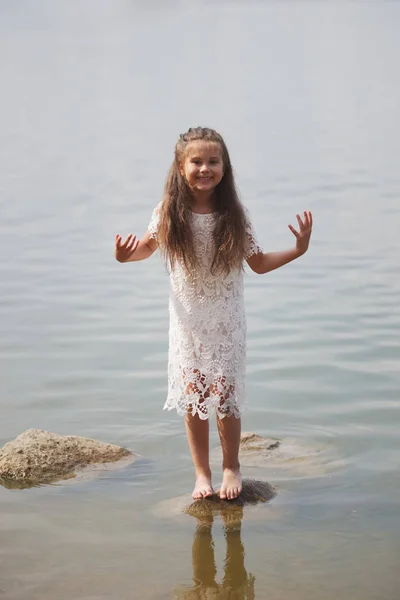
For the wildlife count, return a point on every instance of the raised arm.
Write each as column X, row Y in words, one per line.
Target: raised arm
column 132, row 249
column 264, row 262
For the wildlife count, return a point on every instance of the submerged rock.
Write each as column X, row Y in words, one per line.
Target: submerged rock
column 253, row 444
column 38, row 456
column 289, row 456
column 253, row 492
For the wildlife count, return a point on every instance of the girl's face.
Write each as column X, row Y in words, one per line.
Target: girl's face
column 203, row 166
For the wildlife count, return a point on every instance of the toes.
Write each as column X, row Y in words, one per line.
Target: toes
column 197, row 494
column 230, row 494
column 202, row 493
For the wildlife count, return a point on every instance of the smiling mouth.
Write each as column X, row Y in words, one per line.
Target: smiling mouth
column 204, row 178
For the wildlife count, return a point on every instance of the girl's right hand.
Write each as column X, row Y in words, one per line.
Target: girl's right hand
column 123, row 251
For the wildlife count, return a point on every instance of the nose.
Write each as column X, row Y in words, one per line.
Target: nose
column 204, row 168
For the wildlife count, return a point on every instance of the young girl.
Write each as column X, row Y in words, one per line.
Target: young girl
column 206, row 234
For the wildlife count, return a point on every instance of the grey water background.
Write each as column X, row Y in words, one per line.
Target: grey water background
column 93, row 97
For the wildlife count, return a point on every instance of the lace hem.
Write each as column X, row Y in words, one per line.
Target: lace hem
column 255, row 249
column 206, row 408
column 195, row 392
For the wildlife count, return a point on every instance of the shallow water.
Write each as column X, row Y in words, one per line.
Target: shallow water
column 93, row 97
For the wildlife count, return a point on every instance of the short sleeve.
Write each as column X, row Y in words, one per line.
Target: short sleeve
column 154, row 221
column 251, row 245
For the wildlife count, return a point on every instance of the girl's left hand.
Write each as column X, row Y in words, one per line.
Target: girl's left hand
column 303, row 236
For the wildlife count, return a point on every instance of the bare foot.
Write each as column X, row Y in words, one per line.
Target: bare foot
column 231, row 484
column 202, row 488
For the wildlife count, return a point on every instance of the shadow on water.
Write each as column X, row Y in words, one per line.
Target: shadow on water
column 237, row 583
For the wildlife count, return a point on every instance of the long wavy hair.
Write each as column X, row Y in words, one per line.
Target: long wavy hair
column 175, row 236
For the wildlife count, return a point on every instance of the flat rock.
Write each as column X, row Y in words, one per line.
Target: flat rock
column 37, row 456
column 254, row 492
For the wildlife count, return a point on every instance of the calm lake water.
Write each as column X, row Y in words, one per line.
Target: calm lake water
column 307, row 95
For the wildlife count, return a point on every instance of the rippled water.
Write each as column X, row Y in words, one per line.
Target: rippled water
column 93, row 97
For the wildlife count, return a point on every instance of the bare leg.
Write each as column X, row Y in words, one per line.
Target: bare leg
column 229, row 432
column 197, row 431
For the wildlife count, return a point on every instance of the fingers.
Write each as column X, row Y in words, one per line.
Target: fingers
column 127, row 241
column 300, row 222
column 127, row 244
column 305, row 224
column 118, row 240
column 135, row 245
column 307, row 219
column 293, row 230
column 128, row 247
column 130, row 244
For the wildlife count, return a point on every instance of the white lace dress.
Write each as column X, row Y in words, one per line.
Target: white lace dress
column 207, row 333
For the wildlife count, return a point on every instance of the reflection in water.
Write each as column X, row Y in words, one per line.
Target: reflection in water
column 236, row 584
column 10, row 484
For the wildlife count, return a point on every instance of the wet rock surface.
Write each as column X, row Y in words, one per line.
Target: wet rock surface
column 255, row 496
column 37, row 456
column 253, row 492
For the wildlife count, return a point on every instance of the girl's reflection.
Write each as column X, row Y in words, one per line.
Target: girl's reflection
column 236, row 583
